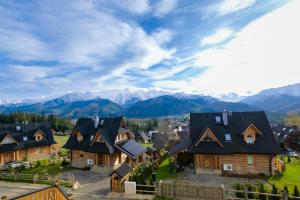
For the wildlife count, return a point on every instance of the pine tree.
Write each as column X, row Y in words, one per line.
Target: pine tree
column 262, row 190
column 296, row 191
column 274, row 191
column 250, row 195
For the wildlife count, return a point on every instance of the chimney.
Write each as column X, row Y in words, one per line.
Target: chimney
column 225, row 117
column 96, row 121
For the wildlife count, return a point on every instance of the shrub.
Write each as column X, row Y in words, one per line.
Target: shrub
column 262, row 190
column 239, row 194
column 286, row 190
column 274, row 191
column 38, row 164
column 296, row 191
column 250, row 189
column 289, row 159
column 44, row 163
column 64, row 163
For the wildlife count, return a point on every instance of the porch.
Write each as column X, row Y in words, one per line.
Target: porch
column 207, row 164
column 9, row 156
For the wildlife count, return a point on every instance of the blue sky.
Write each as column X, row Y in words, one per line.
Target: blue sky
column 48, row 48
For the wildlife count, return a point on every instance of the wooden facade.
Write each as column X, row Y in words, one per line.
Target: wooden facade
column 30, row 154
column 241, row 163
column 80, row 159
column 49, row 193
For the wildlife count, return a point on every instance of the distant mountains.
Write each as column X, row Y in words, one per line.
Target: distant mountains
column 282, row 100
column 156, row 103
column 165, row 105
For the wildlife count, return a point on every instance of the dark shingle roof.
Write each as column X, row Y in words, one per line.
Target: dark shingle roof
column 159, row 141
column 122, row 171
column 109, row 130
column 28, row 130
column 265, row 143
column 182, row 145
column 131, row 148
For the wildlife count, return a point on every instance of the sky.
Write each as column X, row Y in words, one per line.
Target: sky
column 51, row 47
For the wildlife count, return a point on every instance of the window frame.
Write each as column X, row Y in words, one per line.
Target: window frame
column 251, row 159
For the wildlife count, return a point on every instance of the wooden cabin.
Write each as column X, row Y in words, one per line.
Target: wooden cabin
column 119, row 176
column 229, row 142
column 103, row 142
column 26, row 142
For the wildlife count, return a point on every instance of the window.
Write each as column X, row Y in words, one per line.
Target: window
column 38, row 138
column 207, row 138
column 92, row 137
column 218, row 119
column 228, row 137
column 25, row 138
column 249, row 140
column 250, row 159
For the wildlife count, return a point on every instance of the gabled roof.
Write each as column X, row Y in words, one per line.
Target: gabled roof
column 109, row 130
column 238, row 121
column 121, row 171
column 28, row 131
column 159, row 141
column 182, row 145
column 131, row 148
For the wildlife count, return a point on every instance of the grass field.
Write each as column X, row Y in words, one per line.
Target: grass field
column 61, row 140
column 165, row 171
column 290, row 177
column 147, row 144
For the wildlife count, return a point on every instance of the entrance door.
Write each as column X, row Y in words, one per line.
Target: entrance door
column 101, row 159
column 206, row 161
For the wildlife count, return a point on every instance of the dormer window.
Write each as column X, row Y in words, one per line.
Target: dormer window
column 38, row 136
column 79, row 137
column 250, row 134
column 249, row 139
column 25, row 138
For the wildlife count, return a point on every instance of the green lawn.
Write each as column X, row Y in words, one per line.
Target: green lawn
column 290, row 177
column 52, row 170
column 61, row 140
column 165, row 171
column 147, row 144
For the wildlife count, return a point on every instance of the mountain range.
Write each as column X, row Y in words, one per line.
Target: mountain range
column 142, row 103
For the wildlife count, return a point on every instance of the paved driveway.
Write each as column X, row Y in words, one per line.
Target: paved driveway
column 91, row 182
column 216, row 180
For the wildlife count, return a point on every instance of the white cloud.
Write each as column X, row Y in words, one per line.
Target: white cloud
column 163, row 7
column 134, row 6
column 217, row 37
column 263, row 55
column 230, row 6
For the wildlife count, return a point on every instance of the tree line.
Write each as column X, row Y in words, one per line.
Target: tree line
column 59, row 124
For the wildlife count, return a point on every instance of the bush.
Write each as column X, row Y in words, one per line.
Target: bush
column 64, row 163
column 289, row 159
column 38, row 164
column 296, row 191
column 274, row 191
column 239, row 194
column 44, row 163
column 250, row 189
column 262, row 190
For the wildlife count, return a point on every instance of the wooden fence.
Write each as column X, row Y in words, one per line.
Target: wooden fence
column 30, row 178
column 189, row 190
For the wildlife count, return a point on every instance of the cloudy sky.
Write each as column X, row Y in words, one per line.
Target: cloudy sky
column 51, row 47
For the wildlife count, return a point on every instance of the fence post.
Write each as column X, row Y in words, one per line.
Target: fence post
column 285, row 195
column 246, row 193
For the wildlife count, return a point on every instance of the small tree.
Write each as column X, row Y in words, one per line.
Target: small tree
column 262, row 190
column 250, row 189
column 274, row 191
column 296, row 191
column 239, row 193
column 289, row 159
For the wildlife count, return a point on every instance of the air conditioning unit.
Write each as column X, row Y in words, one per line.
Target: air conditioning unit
column 90, row 161
column 227, row 167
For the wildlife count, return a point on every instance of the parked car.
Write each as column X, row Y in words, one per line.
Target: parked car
column 293, row 154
